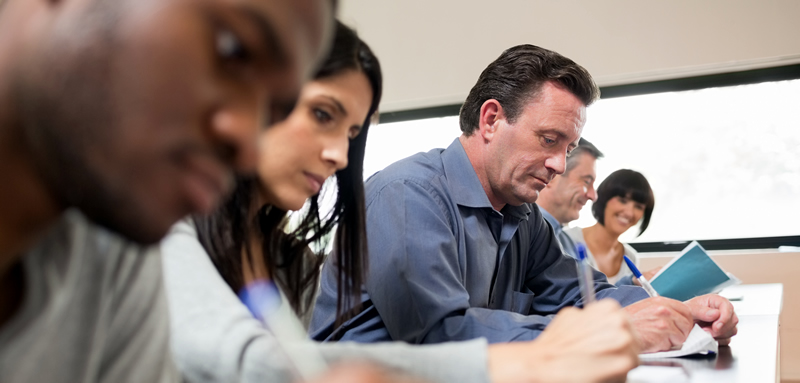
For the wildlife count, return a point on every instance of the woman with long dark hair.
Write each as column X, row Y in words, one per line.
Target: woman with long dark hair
column 251, row 239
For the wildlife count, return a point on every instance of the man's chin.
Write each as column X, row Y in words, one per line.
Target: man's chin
column 144, row 231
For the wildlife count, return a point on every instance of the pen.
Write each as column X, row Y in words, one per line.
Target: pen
column 638, row 274
column 263, row 299
column 585, row 279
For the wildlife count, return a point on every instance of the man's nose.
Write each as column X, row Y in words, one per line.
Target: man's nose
column 235, row 127
column 556, row 163
column 591, row 194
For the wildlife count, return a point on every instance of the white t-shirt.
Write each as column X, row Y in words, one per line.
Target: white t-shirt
column 576, row 233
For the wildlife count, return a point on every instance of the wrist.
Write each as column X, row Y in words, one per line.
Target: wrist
column 514, row 362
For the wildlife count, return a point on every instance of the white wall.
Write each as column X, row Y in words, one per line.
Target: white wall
column 432, row 51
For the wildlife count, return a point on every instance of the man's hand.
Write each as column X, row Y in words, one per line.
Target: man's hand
column 661, row 323
column 596, row 344
column 364, row 373
column 649, row 274
column 715, row 315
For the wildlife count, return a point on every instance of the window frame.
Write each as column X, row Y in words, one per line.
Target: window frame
column 754, row 76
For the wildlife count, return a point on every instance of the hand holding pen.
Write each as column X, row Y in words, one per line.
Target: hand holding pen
column 638, row 275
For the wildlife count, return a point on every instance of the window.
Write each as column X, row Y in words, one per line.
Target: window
column 723, row 162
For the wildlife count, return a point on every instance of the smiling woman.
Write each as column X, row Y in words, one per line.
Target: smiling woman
column 624, row 199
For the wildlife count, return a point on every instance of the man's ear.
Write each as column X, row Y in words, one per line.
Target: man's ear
column 489, row 119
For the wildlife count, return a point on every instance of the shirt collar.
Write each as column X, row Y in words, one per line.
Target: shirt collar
column 552, row 220
column 465, row 187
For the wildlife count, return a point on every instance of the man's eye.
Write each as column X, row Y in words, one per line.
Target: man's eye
column 230, row 47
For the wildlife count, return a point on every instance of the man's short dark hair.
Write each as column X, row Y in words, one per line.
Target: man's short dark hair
column 584, row 147
column 517, row 76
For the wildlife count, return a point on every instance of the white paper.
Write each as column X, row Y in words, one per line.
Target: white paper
column 657, row 374
column 698, row 342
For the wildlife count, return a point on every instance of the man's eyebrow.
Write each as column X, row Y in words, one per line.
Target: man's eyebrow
column 268, row 34
column 557, row 132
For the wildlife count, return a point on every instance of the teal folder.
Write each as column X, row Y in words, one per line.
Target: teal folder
column 692, row 273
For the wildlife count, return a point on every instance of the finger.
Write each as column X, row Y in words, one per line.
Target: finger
column 727, row 316
column 706, row 314
column 724, row 341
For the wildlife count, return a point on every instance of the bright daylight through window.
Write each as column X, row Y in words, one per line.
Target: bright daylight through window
column 723, row 162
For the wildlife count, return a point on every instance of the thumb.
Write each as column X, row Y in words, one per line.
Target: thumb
column 706, row 314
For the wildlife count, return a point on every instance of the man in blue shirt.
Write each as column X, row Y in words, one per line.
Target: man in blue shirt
column 457, row 248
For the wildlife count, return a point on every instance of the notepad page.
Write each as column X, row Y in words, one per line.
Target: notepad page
column 698, row 342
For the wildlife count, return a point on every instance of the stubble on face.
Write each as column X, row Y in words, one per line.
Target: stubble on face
column 524, row 161
column 66, row 109
column 85, row 132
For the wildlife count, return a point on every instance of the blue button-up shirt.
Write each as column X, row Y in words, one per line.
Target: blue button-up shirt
column 566, row 242
column 444, row 265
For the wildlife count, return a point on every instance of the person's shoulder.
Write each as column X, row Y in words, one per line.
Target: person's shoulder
column 575, row 232
column 422, row 172
column 630, row 252
column 421, row 166
column 119, row 260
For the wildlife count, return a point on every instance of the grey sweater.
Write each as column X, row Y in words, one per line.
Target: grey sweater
column 216, row 339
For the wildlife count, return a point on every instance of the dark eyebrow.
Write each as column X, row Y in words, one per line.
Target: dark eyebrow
column 338, row 105
column 268, row 34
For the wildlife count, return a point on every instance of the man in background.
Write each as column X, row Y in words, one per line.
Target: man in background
column 117, row 118
column 563, row 198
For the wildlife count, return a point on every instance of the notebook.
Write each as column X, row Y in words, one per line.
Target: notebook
column 698, row 342
column 690, row 274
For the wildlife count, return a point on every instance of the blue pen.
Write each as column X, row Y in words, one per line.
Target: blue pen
column 585, row 279
column 638, row 274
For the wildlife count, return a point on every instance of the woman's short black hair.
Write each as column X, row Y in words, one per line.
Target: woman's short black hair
column 225, row 235
column 629, row 184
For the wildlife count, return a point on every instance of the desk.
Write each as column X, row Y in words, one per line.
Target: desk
column 753, row 355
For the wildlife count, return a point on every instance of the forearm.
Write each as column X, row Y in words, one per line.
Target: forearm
column 450, row 362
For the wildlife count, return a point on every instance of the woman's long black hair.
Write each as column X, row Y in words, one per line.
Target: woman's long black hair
column 228, row 234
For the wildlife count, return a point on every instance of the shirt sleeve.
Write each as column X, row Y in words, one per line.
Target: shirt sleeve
column 216, row 339
column 553, row 276
column 138, row 332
